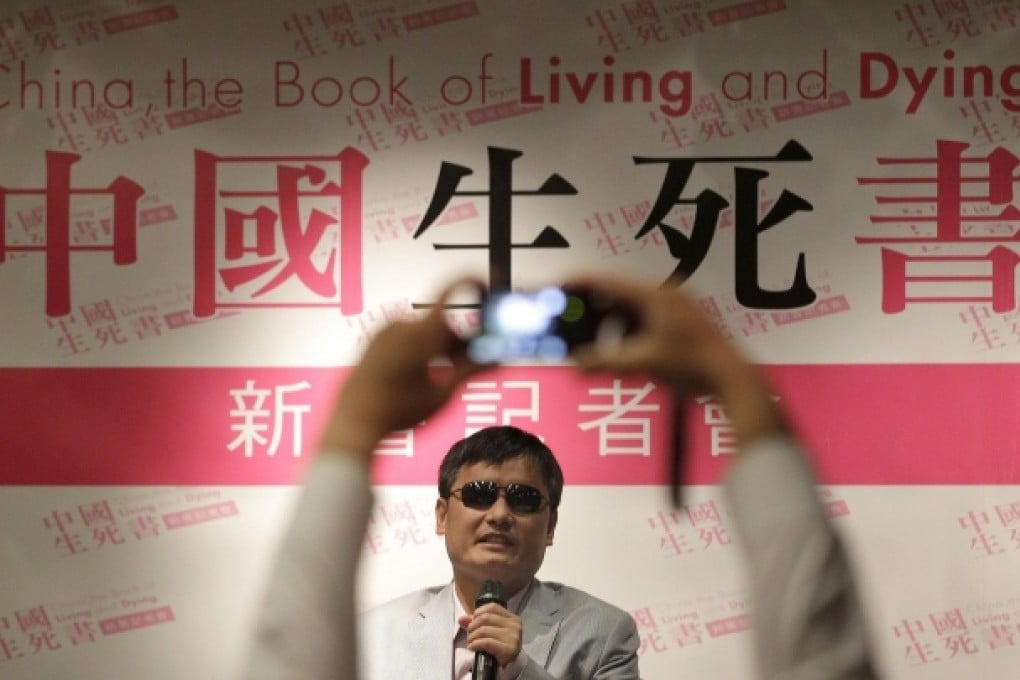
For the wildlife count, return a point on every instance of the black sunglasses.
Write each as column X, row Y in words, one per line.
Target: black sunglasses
column 480, row 494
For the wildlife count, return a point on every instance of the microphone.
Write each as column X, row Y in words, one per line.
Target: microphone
column 485, row 666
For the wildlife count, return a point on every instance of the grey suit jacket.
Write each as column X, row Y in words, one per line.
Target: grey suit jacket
column 810, row 624
column 567, row 634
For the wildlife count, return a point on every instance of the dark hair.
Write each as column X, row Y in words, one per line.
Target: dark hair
column 497, row 445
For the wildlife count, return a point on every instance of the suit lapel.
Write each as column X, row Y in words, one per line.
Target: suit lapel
column 541, row 625
column 432, row 629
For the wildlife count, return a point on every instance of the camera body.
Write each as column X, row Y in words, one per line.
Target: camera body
column 542, row 325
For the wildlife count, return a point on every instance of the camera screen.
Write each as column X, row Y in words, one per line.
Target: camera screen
column 526, row 325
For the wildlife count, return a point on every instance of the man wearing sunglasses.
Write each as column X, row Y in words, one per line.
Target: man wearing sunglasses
column 499, row 494
column 809, row 622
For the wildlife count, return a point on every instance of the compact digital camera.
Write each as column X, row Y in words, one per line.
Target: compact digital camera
column 542, row 325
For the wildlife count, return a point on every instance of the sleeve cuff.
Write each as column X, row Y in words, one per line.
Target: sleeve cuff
column 513, row 670
column 770, row 483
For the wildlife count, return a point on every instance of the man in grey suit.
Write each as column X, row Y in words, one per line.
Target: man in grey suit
column 499, row 494
column 809, row 621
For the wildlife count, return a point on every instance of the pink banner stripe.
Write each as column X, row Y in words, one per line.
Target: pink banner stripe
column 865, row 424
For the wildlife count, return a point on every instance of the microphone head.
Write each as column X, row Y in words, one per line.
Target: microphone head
column 491, row 591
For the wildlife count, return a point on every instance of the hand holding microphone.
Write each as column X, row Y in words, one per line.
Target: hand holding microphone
column 486, row 666
column 493, row 632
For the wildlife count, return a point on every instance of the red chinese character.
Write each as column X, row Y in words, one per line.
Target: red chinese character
column 982, row 541
column 231, row 271
column 953, row 228
column 58, row 245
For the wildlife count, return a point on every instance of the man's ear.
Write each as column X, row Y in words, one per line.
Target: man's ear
column 551, row 527
column 441, row 507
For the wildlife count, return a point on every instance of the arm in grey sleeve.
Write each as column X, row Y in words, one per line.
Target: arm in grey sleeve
column 808, row 621
column 306, row 627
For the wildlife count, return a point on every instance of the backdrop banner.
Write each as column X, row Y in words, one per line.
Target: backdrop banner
column 209, row 208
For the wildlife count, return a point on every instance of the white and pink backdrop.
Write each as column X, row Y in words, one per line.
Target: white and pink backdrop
column 208, row 209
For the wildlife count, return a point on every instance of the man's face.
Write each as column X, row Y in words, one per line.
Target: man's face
column 496, row 543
